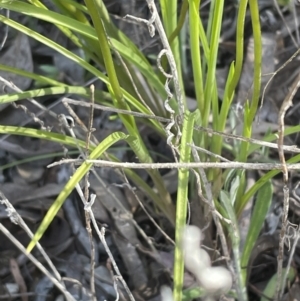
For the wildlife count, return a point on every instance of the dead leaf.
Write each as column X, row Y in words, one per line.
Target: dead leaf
column 18, row 55
column 14, row 268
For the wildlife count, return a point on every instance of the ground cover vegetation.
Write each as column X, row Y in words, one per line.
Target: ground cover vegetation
column 149, row 150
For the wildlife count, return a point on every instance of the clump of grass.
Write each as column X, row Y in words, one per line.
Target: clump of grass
column 90, row 28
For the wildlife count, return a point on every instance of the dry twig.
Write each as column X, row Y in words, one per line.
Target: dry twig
column 171, row 165
column 287, row 103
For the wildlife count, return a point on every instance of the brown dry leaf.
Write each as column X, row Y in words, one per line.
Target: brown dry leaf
column 293, row 293
column 18, row 55
column 14, row 268
column 78, row 229
column 17, row 193
column 29, row 174
column 114, row 201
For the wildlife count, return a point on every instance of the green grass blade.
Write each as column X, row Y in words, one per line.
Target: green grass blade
column 36, row 158
column 251, row 111
column 181, row 20
column 224, row 113
column 40, row 78
column 75, row 179
column 78, row 91
column 66, row 140
column 258, row 184
column 269, row 291
column 71, row 9
column 210, row 83
column 273, row 137
column 84, row 30
column 182, row 199
column 169, row 20
column 239, row 46
column 107, row 57
column 145, row 68
column 64, row 30
column 71, row 56
column 234, row 234
column 195, row 53
column 255, row 20
column 51, row 17
column 68, row 54
column 261, row 207
column 45, row 91
column 40, row 134
column 138, row 146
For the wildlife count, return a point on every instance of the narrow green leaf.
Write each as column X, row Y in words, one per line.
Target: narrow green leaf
column 6, row 98
column 234, row 234
column 210, row 91
column 182, row 199
column 196, row 53
column 261, row 207
column 40, row 134
column 75, row 179
column 269, row 291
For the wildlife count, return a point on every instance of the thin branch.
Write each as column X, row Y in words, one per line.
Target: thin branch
column 171, row 165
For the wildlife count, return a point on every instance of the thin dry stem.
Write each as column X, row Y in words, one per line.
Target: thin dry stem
column 287, row 103
column 172, row 165
column 276, row 72
column 295, row 242
column 18, row 220
column 59, row 285
column 198, row 148
column 290, row 148
column 33, row 101
column 130, row 77
column 101, row 234
column 155, row 19
column 110, row 109
column 284, row 22
column 86, row 195
column 147, row 213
